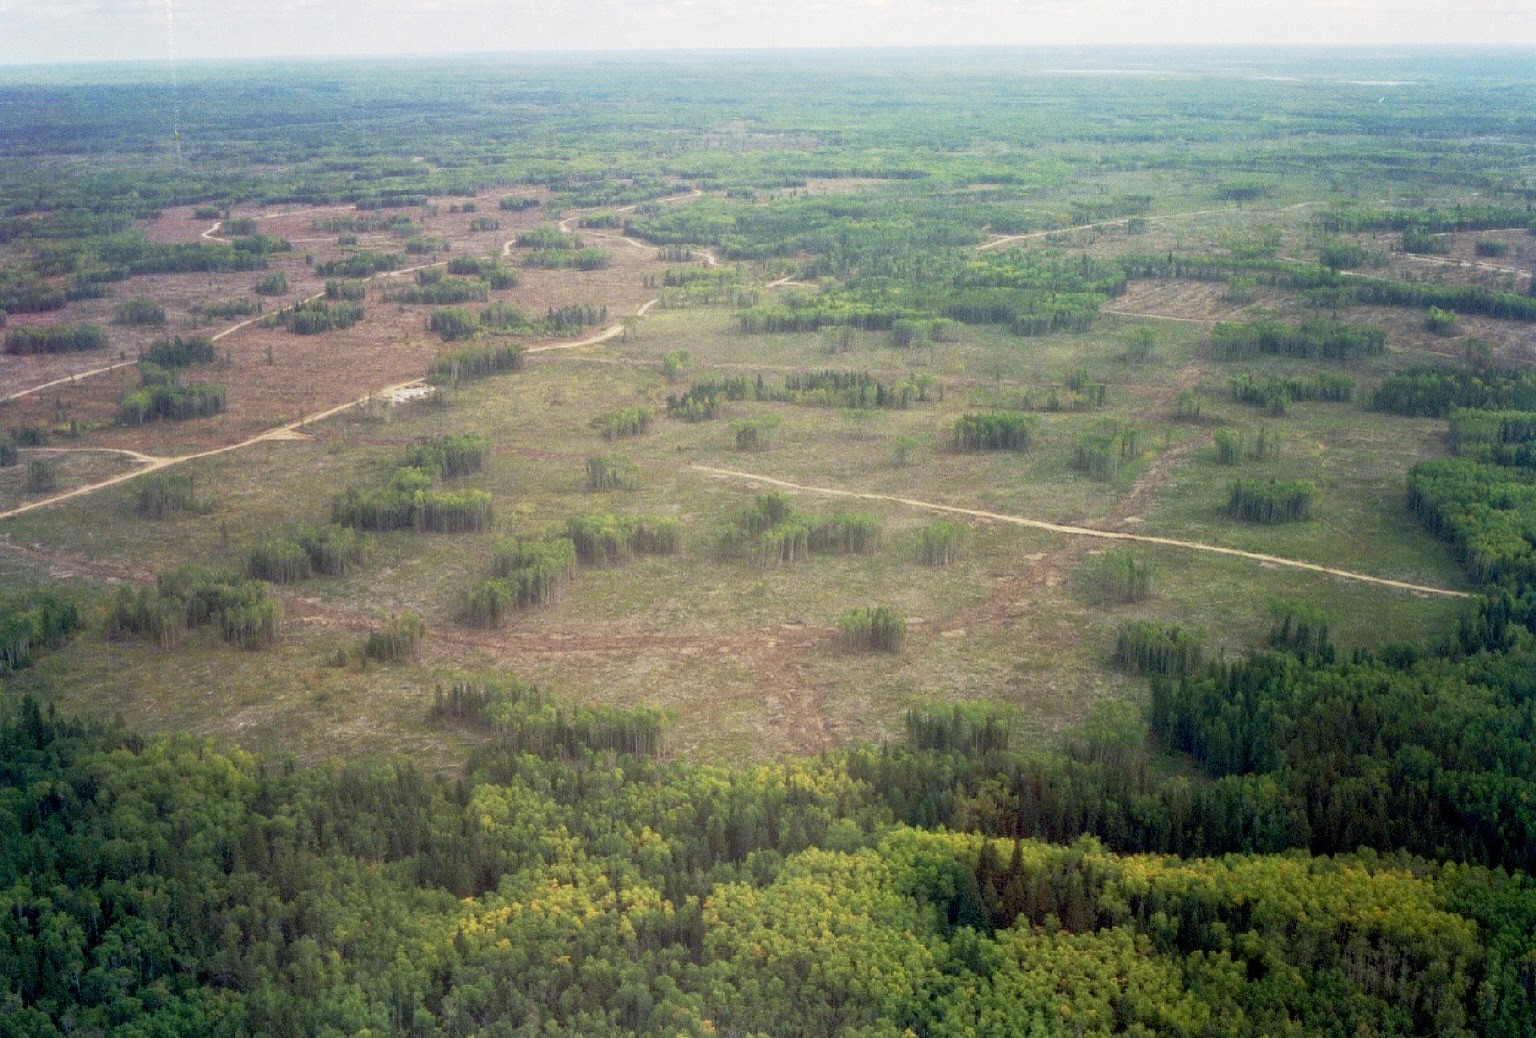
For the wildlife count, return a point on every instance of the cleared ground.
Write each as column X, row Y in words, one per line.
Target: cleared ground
column 748, row 659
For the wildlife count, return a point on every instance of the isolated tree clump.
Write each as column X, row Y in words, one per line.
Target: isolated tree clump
column 772, row 533
column 942, row 542
column 1117, row 578
column 55, row 339
column 476, row 362
column 162, row 396
column 994, row 431
column 181, row 353
column 1099, row 454
column 525, row 572
column 602, row 539
column 165, row 494
column 329, row 551
column 450, row 457
column 192, row 597
column 1271, row 502
column 42, row 476
column 756, row 433
column 411, row 501
column 880, row 628
column 397, row 640
column 626, row 421
column 1236, row 447
column 139, row 311
column 1166, row 651
column 612, row 472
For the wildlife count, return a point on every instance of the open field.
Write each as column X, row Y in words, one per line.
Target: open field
column 748, row 659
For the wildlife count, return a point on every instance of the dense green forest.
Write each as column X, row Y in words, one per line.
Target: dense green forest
column 1304, row 836
column 1353, row 855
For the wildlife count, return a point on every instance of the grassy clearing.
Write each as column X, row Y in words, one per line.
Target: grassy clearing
column 71, row 469
column 1360, row 518
column 747, row 658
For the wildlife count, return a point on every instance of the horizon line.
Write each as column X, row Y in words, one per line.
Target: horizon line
column 525, row 52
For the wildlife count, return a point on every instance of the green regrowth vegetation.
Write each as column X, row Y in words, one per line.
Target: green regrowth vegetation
column 568, row 259
column 607, row 472
column 1237, row 447
column 42, row 476
column 673, row 363
column 476, row 362
column 162, row 396
column 319, row 316
column 995, row 431
column 1316, row 339
column 1100, row 453
column 1435, row 392
column 450, row 457
column 756, row 433
column 177, row 352
column 525, row 572
column 603, row 539
column 410, row 502
column 397, row 640
column 437, row 290
column 274, row 284
column 1441, row 322
column 346, row 291
column 771, row 533
column 1167, row 651
column 880, row 628
column 32, row 624
column 1276, row 393
column 55, row 339
column 1272, row 501
column 626, row 421
column 166, row 494
column 1117, row 577
column 851, row 389
column 1300, row 628
column 191, row 597
column 140, row 311
column 942, row 542
column 327, row 551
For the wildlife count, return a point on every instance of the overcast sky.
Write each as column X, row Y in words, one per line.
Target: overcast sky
column 93, row 30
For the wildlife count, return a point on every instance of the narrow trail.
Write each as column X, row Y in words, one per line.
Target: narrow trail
column 135, row 455
column 1206, row 322
column 1161, row 317
column 212, row 233
column 1492, row 268
column 567, row 227
column 66, row 380
column 151, row 463
column 1008, row 239
column 215, row 337
column 1080, row 531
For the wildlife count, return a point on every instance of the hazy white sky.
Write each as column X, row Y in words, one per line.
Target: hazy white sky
column 92, row 30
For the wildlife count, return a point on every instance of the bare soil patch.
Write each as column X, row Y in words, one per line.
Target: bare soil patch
column 273, row 376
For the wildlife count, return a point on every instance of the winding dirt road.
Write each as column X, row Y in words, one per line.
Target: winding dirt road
column 1079, row 531
column 1009, row 239
column 152, row 463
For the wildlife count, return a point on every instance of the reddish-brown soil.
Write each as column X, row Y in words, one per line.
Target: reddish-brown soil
column 273, row 376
